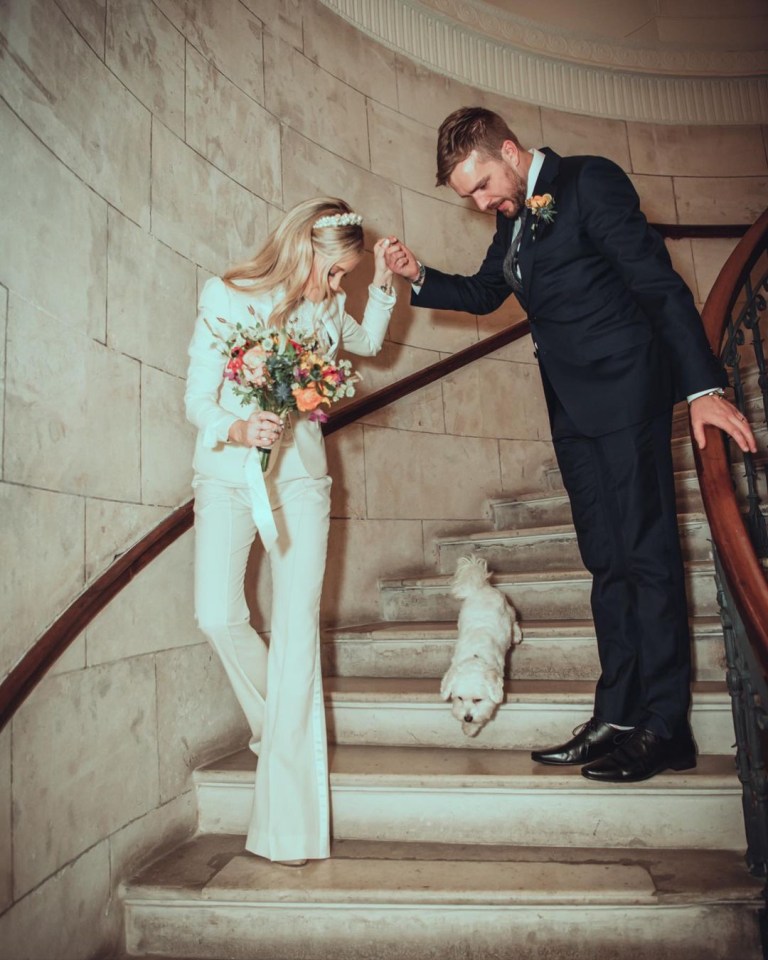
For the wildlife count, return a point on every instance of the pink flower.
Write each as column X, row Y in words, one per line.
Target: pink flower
column 254, row 368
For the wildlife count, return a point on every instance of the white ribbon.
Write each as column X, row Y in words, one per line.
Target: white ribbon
column 260, row 505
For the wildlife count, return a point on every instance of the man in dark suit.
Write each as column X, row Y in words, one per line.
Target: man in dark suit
column 619, row 341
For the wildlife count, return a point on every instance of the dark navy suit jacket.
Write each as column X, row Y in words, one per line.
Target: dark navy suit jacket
column 618, row 336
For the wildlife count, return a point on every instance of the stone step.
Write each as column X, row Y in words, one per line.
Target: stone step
column 551, row 650
column 382, row 711
column 551, row 595
column 411, row 901
column 550, row 548
column 432, row 795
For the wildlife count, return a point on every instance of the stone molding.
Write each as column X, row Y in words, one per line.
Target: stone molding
column 561, row 72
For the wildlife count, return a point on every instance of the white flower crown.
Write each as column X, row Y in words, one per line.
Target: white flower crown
column 339, row 220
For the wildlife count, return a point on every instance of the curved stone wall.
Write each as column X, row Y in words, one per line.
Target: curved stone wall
column 144, row 146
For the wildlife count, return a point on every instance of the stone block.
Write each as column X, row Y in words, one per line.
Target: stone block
column 66, row 916
column 89, row 18
column 696, row 151
column 682, row 260
column 525, row 465
column 151, row 298
column 147, row 53
column 3, row 331
column 76, row 105
column 494, row 398
column 428, row 97
column 363, row 551
column 154, row 612
column 46, row 207
column 226, row 33
column 200, row 212
column 428, row 476
column 62, row 424
column 6, row 822
column 231, row 131
column 310, row 170
column 657, row 197
column 574, row 134
column 111, row 528
column 345, row 52
column 151, row 835
column 720, row 199
column 709, row 258
column 42, row 537
column 167, row 439
column 315, row 103
column 453, row 239
column 281, row 18
column 346, row 465
column 198, row 717
column 84, row 759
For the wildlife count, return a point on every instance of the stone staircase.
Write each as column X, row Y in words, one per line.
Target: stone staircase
column 463, row 849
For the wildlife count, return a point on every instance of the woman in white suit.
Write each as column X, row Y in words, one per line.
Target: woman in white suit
column 293, row 282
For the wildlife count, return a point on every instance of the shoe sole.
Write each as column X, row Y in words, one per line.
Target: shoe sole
column 678, row 766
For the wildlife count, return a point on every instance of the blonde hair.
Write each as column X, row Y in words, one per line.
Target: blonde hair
column 286, row 259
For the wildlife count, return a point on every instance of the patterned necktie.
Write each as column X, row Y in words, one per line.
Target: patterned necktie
column 511, row 264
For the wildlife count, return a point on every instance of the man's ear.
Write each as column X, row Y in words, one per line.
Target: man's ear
column 510, row 153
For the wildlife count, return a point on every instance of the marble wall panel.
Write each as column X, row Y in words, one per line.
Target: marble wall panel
column 493, row 398
column 709, row 257
column 525, row 464
column 403, row 151
column 346, row 466
column 154, row 612
column 65, row 916
column 682, row 260
column 692, row 151
column 445, row 330
column 167, row 439
column 74, row 425
column 657, row 197
column 232, row 131
column 281, row 18
column 55, row 231
column 311, row 171
column 111, row 528
column 146, row 52
column 445, row 236
column 314, row 103
column 77, row 107
column 433, row 530
column 508, row 313
column 227, row 34
column 428, row 476
column 42, row 542
column 3, row 330
column 84, row 759
column 200, row 212
column 151, row 298
column 573, row 134
column 197, row 715
column 719, row 199
column 429, row 98
column 346, row 53
column 89, row 18
column 363, row 551
column 6, row 822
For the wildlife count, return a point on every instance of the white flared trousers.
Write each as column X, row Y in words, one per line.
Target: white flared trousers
column 280, row 687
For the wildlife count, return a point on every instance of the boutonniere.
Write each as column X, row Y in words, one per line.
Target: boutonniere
column 542, row 207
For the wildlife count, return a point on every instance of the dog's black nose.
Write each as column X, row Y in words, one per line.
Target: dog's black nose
column 468, row 718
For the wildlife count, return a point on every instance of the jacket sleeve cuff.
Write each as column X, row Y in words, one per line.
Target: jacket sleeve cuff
column 218, row 431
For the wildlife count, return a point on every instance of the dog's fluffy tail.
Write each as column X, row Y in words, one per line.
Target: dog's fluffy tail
column 471, row 574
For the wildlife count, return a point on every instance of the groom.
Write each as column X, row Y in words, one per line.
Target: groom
column 619, row 341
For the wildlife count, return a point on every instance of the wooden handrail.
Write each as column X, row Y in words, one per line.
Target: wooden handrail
column 33, row 666
column 737, row 555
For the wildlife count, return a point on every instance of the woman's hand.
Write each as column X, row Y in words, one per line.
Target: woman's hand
column 401, row 260
column 261, row 429
column 382, row 275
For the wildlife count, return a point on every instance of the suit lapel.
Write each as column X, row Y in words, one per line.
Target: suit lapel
column 545, row 183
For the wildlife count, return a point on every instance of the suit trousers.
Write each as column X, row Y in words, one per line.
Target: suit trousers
column 621, row 488
column 280, row 687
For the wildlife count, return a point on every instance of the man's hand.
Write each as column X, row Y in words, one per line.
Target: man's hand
column 718, row 412
column 401, row 261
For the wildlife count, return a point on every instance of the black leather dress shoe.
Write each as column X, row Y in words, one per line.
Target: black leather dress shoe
column 594, row 739
column 641, row 756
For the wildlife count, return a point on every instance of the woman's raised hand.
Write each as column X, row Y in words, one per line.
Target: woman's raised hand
column 261, row 429
column 401, row 260
column 382, row 275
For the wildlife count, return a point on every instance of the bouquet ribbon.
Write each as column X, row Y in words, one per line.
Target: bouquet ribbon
column 261, row 508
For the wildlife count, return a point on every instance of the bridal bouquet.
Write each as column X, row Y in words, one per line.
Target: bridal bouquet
column 283, row 372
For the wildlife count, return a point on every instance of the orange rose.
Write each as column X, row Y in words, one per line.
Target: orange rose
column 307, row 398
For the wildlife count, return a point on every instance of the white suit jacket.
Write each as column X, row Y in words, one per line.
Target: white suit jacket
column 211, row 404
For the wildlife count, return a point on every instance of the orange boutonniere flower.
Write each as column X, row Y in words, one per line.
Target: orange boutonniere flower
column 542, row 206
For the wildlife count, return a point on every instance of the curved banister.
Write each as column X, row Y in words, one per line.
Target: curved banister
column 56, row 639
column 737, row 555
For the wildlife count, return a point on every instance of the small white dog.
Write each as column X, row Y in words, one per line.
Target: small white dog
column 487, row 623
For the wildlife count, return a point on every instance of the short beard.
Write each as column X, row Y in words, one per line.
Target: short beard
column 518, row 197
